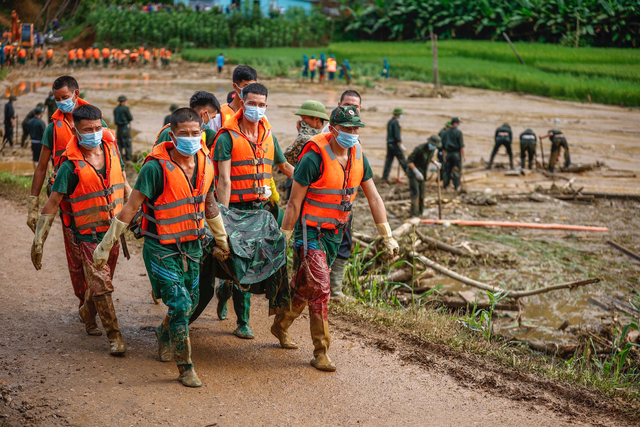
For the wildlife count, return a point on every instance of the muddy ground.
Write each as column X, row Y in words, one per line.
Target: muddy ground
column 55, row 375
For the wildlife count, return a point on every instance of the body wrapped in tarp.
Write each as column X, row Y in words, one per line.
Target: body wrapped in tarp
column 258, row 261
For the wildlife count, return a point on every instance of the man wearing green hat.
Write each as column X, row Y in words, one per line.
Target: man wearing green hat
column 9, row 120
column 446, row 127
column 312, row 114
column 167, row 119
column 331, row 168
column 35, row 130
column 453, row 146
column 122, row 118
column 418, row 164
column 25, row 124
column 395, row 149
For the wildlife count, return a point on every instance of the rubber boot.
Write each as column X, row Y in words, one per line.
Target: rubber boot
column 280, row 327
column 321, row 340
column 164, row 342
column 88, row 314
column 182, row 354
column 242, row 306
column 107, row 312
column 337, row 274
column 223, row 296
column 511, row 162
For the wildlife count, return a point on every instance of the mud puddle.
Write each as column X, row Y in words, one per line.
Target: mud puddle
column 17, row 168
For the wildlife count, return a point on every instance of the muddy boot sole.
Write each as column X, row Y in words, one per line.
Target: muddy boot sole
column 285, row 340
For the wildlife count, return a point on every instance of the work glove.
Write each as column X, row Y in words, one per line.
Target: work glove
column 102, row 251
column 287, row 234
column 32, row 214
column 41, row 232
column 275, row 196
column 402, row 147
column 418, row 174
column 267, row 191
column 437, row 163
column 389, row 242
column 219, row 233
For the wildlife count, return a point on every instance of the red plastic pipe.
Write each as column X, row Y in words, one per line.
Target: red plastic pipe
column 515, row 225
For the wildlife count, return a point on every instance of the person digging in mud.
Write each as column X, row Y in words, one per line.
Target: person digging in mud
column 558, row 141
column 58, row 133
column 395, row 149
column 175, row 188
column 418, row 163
column 329, row 172
column 91, row 188
column 208, row 107
column 528, row 141
column 503, row 136
column 122, row 118
column 453, row 146
column 245, row 151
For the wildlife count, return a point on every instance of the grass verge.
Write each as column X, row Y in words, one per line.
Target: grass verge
column 603, row 75
column 14, row 187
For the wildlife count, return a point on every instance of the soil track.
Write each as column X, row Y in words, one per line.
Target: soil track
column 52, row 373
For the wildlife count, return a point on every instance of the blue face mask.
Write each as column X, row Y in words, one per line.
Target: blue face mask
column 90, row 140
column 188, row 145
column 347, row 140
column 400, row 116
column 431, row 147
column 254, row 114
column 67, row 105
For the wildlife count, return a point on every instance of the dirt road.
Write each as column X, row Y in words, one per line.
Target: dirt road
column 52, row 373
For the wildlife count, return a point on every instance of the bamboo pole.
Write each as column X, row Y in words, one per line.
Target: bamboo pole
column 516, row 225
column 513, row 47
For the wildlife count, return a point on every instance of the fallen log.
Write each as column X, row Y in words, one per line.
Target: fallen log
column 516, row 225
column 603, row 195
column 458, row 303
column 512, row 294
column 440, row 245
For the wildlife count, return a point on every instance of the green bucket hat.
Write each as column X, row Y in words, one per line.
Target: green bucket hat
column 448, row 124
column 122, row 98
column 173, row 107
column 346, row 116
column 313, row 109
column 435, row 141
column 13, row 98
column 397, row 111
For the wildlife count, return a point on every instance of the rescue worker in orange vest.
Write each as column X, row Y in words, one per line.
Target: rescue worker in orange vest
column 105, row 57
column 155, row 57
column 49, row 58
column 72, row 58
column 58, row 133
column 22, row 56
column 147, row 57
column 331, row 168
column 39, row 57
column 332, row 67
column 90, row 187
column 245, row 151
column 134, row 58
column 176, row 187
column 166, row 59
column 79, row 57
column 243, row 75
column 96, row 57
column 88, row 56
column 312, row 67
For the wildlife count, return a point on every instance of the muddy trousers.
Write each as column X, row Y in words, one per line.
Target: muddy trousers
column 25, row 137
column 179, row 292
column 452, row 169
column 555, row 154
column 8, row 134
column 527, row 150
column 416, row 191
column 241, row 300
column 393, row 152
column 496, row 147
column 311, row 286
column 74, row 262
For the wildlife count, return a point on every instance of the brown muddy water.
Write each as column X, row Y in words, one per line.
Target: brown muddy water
column 595, row 132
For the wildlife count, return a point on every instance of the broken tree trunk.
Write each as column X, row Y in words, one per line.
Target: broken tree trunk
column 516, row 225
column 438, row 244
column 622, row 249
column 512, row 294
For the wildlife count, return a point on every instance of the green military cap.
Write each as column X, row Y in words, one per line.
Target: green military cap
column 39, row 109
column 122, row 98
column 346, row 116
column 313, row 109
column 455, row 120
column 13, row 98
column 173, row 107
column 435, row 141
column 506, row 125
column 448, row 124
column 397, row 111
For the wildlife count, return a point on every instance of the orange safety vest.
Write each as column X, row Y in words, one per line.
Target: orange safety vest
column 141, row 50
column 96, row 54
column 39, row 53
column 72, row 54
column 251, row 164
column 134, row 56
column 162, row 52
column 328, row 201
column 22, row 53
column 88, row 54
column 49, row 53
column 167, row 54
column 147, row 55
column 178, row 212
column 96, row 200
column 155, row 53
column 62, row 133
column 332, row 65
column 312, row 64
column 168, row 125
column 80, row 53
column 226, row 112
column 105, row 53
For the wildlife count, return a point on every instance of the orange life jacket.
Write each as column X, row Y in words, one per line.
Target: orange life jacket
column 22, row 53
column 250, row 163
column 96, row 200
column 178, row 212
column 167, row 54
column 312, row 64
column 96, row 53
column 88, row 54
column 39, row 53
column 226, row 112
column 141, row 50
column 105, row 52
column 80, row 53
column 49, row 53
column 328, row 201
column 332, row 65
column 155, row 53
column 147, row 55
column 72, row 55
column 162, row 52
column 62, row 133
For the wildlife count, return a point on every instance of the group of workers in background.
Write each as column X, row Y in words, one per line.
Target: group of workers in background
column 324, row 65
column 11, row 54
column 118, row 57
column 209, row 157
